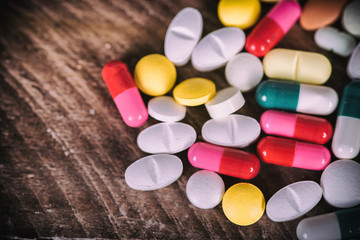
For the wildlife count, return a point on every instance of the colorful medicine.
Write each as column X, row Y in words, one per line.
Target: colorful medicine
column 353, row 69
column 299, row 126
column 125, row 93
column 271, row 29
column 227, row 161
column 291, row 153
column 166, row 109
column 292, row 96
column 346, row 139
column 351, row 18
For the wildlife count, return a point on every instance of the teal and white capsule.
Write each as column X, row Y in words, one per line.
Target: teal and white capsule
column 346, row 139
column 341, row 224
column 293, row 96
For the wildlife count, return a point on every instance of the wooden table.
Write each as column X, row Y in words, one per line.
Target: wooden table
column 64, row 147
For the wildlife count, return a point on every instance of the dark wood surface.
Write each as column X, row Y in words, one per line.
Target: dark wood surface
column 64, row 148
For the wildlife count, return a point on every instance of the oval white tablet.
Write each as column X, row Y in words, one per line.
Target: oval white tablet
column 205, row 189
column 216, row 48
column 353, row 66
column 331, row 39
column 225, row 102
column 166, row 138
column 244, row 71
column 182, row 35
column 351, row 18
column 153, row 172
column 340, row 182
column 293, row 201
column 166, row 109
column 231, row 131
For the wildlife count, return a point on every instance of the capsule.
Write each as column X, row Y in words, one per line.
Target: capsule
column 291, row 153
column 341, row 224
column 292, row 96
column 125, row 93
column 346, row 140
column 271, row 29
column 227, row 161
column 294, row 125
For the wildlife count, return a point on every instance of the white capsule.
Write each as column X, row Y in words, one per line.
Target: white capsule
column 351, row 18
column 353, row 66
column 166, row 109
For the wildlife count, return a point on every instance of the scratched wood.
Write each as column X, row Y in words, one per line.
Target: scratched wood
column 64, row 147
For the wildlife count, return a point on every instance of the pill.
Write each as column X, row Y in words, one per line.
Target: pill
column 293, row 201
column 166, row 138
column 125, row 93
column 299, row 66
column 216, row 48
column 164, row 108
column 320, row 13
column 231, row 131
column 205, row 189
column 271, row 29
column 244, row 71
column 353, row 69
column 340, row 182
column 155, row 75
column 304, row 98
column 153, row 172
column 239, row 13
column 243, row 204
column 225, row 102
column 182, row 35
column 194, row 91
column 291, row 153
column 298, row 126
column 341, row 224
column 351, row 18
column 346, row 139
column 227, row 161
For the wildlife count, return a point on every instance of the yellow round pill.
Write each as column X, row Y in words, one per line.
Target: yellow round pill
column 194, row 91
column 155, row 75
column 243, row 204
column 239, row 13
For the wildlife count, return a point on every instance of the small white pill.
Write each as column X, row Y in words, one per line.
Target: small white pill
column 293, row 201
column 340, row 182
column 331, row 39
column 244, row 71
column 351, row 18
column 205, row 189
column 231, row 131
column 166, row 138
column 182, row 35
column 225, row 102
column 153, row 172
column 353, row 66
column 166, row 109
column 216, row 48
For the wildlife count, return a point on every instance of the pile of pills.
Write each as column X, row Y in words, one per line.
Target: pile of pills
column 294, row 85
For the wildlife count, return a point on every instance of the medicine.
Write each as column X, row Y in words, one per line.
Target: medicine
column 351, row 18
column 243, row 204
column 353, row 70
column 155, row 75
column 205, row 189
column 341, row 224
column 216, row 48
column 346, row 139
column 239, row 13
column 340, row 182
column 225, row 161
column 182, row 35
column 271, row 29
column 291, row 153
column 298, row 126
column 231, row 131
column 292, row 96
column 125, row 93
column 299, row 66
column 164, row 108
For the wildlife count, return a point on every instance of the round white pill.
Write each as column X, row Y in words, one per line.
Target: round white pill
column 166, row 109
column 353, row 69
column 244, row 71
column 225, row 102
column 205, row 189
column 153, row 172
column 293, row 201
column 351, row 18
column 340, row 182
